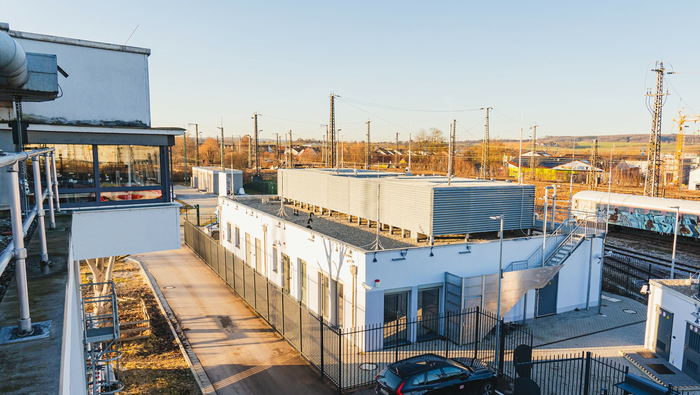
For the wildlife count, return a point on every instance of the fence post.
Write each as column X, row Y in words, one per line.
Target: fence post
column 301, row 326
column 283, row 313
column 340, row 361
column 447, row 334
column 320, row 321
column 501, row 347
column 649, row 274
column 196, row 206
column 604, row 391
column 627, row 278
column 587, row 374
column 477, row 333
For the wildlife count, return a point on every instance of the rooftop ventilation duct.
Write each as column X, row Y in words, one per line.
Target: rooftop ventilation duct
column 13, row 62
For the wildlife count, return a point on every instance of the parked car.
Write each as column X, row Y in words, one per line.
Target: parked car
column 213, row 230
column 432, row 374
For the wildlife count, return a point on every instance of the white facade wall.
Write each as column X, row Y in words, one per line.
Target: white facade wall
column 681, row 306
column 417, row 270
column 107, row 84
column 694, row 180
column 73, row 378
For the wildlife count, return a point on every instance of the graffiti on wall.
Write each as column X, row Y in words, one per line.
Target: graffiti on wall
column 653, row 220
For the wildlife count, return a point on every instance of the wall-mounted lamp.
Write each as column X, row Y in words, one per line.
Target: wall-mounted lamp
column 375, row 257
column 376, row 283
column 431, row 251
column 467, row 251
column 365, row 286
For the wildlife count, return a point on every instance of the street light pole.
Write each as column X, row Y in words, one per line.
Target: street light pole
column 196, row 138
column 500, row 277
column 675, row 238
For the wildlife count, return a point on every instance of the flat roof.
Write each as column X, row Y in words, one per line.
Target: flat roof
column 413, row 179
column 684, row 286
column 73, row 41
column 363, row 237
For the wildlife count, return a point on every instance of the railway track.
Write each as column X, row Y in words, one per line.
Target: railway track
column 653, row 264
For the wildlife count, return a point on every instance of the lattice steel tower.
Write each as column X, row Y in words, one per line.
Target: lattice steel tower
column 333, row 153
column 651, row 182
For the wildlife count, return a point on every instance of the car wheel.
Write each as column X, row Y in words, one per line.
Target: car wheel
column 487, row 389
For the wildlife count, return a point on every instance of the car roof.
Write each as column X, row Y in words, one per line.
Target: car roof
column 411, row 366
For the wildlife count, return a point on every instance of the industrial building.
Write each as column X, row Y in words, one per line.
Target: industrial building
column 362, row 248
column 209, row 179
column 107, row 171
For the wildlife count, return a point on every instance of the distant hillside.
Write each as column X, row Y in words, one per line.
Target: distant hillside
column 617, row 138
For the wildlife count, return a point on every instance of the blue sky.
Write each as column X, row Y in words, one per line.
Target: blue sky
column 575, row 68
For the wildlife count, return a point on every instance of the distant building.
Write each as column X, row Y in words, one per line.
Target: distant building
column 694, row 180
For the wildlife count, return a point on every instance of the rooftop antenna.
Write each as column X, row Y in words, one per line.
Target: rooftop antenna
column 281, row 213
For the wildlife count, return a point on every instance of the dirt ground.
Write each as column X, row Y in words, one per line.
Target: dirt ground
column 153, row 365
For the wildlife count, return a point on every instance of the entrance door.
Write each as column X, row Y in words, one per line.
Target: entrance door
column 547, row 297
column 664, row 327
column 691, row 354
column 428, row 311
column 395, row 315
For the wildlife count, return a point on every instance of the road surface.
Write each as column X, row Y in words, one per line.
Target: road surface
column 239, row 351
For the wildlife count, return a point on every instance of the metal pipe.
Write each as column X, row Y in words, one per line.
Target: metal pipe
column 554, row 205
column 39, row 205
column 498, row 307
column 9, row 159
column 590, row 269
column 24, row 325
column 55, row 178
column 49, row 188
column 7, row 254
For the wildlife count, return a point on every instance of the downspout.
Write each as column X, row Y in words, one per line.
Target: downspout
column 353, row 271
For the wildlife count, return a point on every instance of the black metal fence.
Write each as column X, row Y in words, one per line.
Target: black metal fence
column 351, row 358
column 575, row 374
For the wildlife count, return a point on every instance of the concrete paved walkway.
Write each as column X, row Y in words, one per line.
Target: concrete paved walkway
column 239, row 351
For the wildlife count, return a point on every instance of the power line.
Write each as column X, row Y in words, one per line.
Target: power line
column 360, row 102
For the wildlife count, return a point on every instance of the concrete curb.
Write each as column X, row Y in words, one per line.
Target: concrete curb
column 192, row 361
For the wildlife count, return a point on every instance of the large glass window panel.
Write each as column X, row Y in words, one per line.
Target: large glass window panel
column 72, row 198
column 116, row 196
column 74, row 165
column 129, row 165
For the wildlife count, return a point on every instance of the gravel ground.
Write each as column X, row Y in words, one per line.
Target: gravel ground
column 338, row 227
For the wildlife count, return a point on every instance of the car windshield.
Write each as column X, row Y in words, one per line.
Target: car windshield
column 390, row 380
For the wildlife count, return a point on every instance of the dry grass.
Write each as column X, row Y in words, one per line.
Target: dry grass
column 153, row 365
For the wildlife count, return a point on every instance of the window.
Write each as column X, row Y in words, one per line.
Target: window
column 433, row 376
column 341, row 301
column 228, row 232
column 303, row 281
column 129, row 165
column 286, row 274
column 451, row 372
column 274, row 259
column 419, row 380
column 237, row 237
column 323, row 295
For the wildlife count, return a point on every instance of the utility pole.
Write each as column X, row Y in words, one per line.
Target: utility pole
column 409, row 152
column 290, row 163
column 452, row 150
column 396, row 154
column 257, row 149
column 250, row 153
column 367, row 148
column 277, row 147
column 196, row 138
column 332, row 159
column 533, row 152
column 485, row 171
column 185, row 145
column 223, row 165
column 592, row 178
column 651, row 182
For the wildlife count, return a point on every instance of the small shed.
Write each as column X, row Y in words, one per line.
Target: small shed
column 206, row 179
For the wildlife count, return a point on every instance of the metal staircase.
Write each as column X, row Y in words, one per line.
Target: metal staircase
column 101, row 338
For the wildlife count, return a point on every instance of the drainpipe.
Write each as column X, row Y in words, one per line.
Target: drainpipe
column 590, row 269
column 353, row 271
column 554, row 204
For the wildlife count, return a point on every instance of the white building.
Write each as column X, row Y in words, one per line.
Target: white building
column 113, row 175
column 324, row 259
column 673, row 323
column 694, row 180
column 208, row 179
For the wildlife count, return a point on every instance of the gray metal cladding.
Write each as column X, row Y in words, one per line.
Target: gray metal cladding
column 458, row 210
column 421, row 204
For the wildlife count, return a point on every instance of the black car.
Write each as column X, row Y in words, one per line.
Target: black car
column 430, row 374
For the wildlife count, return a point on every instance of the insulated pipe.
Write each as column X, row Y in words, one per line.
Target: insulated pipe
column 24, row 325
column 49, row 188
column 544, row 225
column 13, row 62
column 39, row 204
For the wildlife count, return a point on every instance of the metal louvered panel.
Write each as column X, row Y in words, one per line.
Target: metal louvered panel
column 338, row 194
